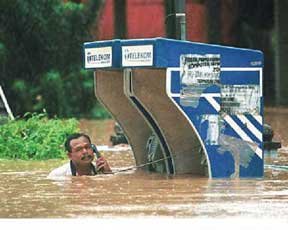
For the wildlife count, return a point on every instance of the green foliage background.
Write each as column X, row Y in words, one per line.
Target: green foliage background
column 35, row 137
column 41, row 57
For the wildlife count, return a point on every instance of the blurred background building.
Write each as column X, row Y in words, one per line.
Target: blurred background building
column 256, row 24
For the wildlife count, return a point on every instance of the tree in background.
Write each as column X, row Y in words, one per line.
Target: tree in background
column 246, row 24
column 41, row 57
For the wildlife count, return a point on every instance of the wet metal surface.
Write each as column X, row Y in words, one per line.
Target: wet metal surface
column 26, row 192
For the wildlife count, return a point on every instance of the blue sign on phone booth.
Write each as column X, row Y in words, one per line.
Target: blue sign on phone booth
column 217, row 89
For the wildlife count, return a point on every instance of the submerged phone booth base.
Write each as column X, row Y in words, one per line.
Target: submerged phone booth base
column 203, row 102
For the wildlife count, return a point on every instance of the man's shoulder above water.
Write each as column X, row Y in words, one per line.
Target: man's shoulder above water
column 63, row 170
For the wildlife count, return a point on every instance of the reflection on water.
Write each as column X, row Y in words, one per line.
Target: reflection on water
column 26, row 192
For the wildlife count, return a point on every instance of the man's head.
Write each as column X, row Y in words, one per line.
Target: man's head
column 78, row 147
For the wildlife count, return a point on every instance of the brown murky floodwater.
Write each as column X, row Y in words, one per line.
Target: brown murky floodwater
column 26, row 192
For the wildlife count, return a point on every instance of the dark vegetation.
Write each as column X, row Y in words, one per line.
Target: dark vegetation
column 41, row 57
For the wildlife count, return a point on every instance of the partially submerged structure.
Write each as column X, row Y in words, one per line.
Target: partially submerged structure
column 204, row 103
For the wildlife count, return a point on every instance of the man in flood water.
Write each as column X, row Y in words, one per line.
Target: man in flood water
column 81, row 155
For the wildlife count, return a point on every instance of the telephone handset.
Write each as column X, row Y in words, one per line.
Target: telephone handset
column 95, row 150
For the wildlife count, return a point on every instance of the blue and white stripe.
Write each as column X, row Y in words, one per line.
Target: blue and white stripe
column 243, row 120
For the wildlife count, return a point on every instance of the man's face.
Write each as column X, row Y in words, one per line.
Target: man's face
column 81, row 151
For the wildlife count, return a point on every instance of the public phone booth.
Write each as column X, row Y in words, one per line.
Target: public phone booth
column 203, row 102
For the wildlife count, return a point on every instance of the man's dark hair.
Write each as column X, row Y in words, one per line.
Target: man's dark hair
column 74, row 136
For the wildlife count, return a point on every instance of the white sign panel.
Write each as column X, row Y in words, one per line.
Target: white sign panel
column 98, row 57
column 137, row 55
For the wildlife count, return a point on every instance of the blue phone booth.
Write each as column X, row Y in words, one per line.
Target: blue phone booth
column 203, row 102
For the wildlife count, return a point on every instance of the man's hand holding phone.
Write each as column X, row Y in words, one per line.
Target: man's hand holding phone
column 102, row 165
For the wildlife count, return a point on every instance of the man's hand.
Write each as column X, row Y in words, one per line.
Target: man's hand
column 102, row 165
